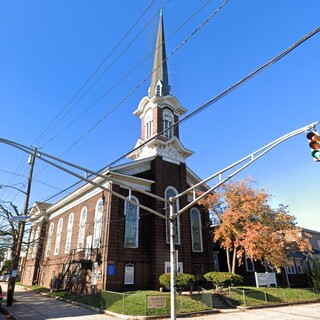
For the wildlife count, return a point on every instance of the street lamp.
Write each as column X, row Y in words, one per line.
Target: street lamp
column 11, row 186
column 16, row 257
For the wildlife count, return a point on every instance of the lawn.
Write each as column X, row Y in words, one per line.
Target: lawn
column 251, row 296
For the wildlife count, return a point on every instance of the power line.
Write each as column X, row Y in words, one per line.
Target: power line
column 62, row 113
column 146, row 78
column 56, row 120
column 227, row 91
column 103, row 73
column 110, row 111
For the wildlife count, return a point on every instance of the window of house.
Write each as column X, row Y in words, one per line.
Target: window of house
column 319, row 244
column 82, row 228
column 35, row 242
column 171, row 192
column 97, row 224
column 159, row 88
column 215, row 261
column 196, row 230
column 30, row 251
column 58, row 237
column 129, row 273
column 131, row 228
column 167, row 123
column 198, row 272
column 50, row 234
column 249, row 265
column 167, row 267
column 299, row 265
column 69, row 233
column 148, row 124
column 291, row 269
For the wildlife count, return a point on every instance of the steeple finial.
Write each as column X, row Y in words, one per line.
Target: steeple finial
column 159, row 81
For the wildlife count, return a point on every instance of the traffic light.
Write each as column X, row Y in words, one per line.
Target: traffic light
column 314, row 144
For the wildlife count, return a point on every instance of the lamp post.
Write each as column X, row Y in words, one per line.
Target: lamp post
column 11, row 186
column 16, row 257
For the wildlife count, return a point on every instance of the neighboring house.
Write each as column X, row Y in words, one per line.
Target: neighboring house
column 296, row 274
column 7, row 255
column 314, row 240
column 95, row 240
column 31, row 261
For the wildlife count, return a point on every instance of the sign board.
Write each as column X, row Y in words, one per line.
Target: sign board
column 265, row 279
column 156, row 302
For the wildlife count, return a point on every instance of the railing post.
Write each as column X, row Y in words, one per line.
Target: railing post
column 244, row 298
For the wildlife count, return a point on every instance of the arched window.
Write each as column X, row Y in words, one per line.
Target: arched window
column 148, row 124
column 97, row 224
column 159, row 88
column 131, row 228
column 171, row 192
column 50, row 234
column 196, row 230
column 69, row 233
column 129, row 273
column 168, row 120
column 31, row 242
column 58, row 237
column 35, row 242
column 82, row 228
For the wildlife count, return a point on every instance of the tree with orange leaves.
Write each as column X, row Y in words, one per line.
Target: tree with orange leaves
column 248, row 225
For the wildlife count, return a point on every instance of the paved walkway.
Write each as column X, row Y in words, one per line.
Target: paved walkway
column 294, row 312
column 34, row 306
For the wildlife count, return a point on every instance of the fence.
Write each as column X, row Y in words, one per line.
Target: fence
column 144, row 304
column 262, row 297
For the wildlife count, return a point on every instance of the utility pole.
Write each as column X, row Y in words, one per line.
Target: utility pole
column 16, row 257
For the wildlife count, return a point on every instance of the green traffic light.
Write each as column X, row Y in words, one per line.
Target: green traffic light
column 316, row 154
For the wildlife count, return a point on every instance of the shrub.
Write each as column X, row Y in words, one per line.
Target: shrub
column 315, row 274
column 183, row 279
column 222, row 279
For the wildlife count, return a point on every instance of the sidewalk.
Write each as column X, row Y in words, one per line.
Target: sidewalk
column 34, row 306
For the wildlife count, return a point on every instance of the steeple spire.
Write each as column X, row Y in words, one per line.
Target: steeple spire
column 159, row 81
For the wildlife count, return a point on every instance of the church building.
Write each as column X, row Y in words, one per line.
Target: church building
column 93, row 238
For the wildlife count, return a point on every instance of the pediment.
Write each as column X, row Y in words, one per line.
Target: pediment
column 172, row 150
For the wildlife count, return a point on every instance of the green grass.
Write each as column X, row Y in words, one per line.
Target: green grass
column 251, row 296
column 135, row 303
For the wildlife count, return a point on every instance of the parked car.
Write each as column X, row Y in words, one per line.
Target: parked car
column 1, row 295
column 5, row 277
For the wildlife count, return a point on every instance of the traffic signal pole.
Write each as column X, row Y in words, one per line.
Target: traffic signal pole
column 248, row 160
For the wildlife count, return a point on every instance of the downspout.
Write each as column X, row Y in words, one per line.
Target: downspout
column 106, row 239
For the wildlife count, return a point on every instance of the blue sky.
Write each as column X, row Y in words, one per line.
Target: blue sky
column 49, row 49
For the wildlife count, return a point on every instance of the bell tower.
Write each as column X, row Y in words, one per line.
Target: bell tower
column 159, row 112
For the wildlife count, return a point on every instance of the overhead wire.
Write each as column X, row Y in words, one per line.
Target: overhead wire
column 147, row 77
column 54, row 122
column 186, row 21
column 225, row 92
column 127, row 75
column 174, row 51
column 62, row 113
column 233, row 87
